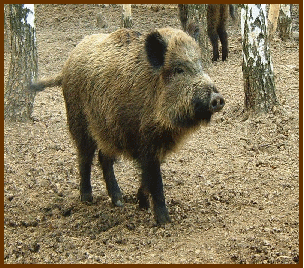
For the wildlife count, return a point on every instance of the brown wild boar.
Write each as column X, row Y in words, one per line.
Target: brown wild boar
column 134, row 95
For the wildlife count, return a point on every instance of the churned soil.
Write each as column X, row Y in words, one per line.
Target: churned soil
column 232, row 188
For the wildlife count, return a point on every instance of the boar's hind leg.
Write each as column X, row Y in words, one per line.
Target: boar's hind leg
column 86, row 148
column 213, row 36
column 111, row 183
column 152, row 182
column 224, row 40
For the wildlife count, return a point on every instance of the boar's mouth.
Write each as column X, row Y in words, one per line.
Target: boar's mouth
column 201, row 113
column 201, row 110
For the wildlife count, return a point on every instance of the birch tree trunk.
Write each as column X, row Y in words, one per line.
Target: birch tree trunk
column 126, row 19
column 258, row 74
column 18, row 99
column 285, row 22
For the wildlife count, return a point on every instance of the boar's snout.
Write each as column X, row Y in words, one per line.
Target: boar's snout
column 217, row 102
column 206, row 106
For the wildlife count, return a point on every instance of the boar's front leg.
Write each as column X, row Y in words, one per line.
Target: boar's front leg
column 152, row 183
column 111, row 183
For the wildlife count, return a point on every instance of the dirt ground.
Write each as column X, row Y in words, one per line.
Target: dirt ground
column 232, row 189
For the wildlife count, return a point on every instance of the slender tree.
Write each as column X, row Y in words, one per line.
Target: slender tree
column 285, row 22
column 273, row 15
column 18, row 99
column 126, row 19
column 259, row 85
column 193, row 18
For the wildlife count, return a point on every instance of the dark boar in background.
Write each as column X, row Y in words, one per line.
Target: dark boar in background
column 217, row 19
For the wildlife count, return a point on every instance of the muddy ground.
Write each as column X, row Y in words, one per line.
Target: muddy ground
column 232, row 189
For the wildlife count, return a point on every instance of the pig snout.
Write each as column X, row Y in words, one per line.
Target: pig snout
column 206, row 106
column 217, row 102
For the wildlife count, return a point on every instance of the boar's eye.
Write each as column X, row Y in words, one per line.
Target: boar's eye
column 179, row 70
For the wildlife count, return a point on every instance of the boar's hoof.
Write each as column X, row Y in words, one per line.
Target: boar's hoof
column 162, row 215
column 215, row 57
column 143, row 199
column 86, row 197
column 216, row 102
column 118, row 203
column 117, row 200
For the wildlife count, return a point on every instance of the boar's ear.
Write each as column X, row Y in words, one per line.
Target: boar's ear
column 156, row 48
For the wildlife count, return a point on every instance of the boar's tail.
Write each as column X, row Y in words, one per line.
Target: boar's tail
column 49, row 82
column 231, row 11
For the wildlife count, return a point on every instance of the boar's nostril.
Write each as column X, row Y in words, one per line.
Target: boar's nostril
column 216, row 102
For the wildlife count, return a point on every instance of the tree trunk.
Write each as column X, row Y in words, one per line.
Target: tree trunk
column 285, row 22
column 18, row 99
column 6, row 28
column 258, row 74
column 196, row 14
column 126, row 19
column 273, row 15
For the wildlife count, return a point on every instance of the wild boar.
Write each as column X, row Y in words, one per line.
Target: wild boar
column 134, row 95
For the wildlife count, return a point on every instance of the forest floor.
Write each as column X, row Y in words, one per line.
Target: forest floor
column 232, row 189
